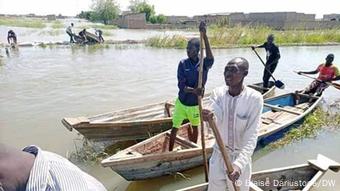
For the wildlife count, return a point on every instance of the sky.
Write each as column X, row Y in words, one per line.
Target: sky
column 175, row 7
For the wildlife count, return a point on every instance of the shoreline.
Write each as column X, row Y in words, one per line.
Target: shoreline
column 143, row 42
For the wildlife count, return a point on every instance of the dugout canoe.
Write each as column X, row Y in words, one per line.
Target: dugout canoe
column 298, row 177
column 151, row 158
column 134, row 123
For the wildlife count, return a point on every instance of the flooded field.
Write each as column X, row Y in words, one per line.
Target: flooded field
column 40, row 86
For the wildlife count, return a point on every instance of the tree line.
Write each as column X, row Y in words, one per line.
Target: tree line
column 107, row 10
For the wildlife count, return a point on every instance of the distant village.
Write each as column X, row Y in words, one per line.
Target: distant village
column 276, row 20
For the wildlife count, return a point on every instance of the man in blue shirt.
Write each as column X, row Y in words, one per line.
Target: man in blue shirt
column 186, row 106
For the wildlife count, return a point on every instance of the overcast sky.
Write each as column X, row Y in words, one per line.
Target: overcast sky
column 175, row 7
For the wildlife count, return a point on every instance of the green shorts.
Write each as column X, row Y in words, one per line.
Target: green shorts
column 183, row 112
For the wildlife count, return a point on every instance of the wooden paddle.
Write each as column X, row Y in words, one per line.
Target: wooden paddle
column 222, row 148
column 277, row 83
column 199, row 98
column 335, row 85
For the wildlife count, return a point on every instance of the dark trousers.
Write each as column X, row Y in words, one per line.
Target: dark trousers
column 101, row 39
column 71, row 37
column 266, row 75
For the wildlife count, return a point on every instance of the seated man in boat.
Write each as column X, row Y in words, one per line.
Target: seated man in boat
column 34, row 169
column 69, row 31
column 328, row 72
column 186, row 105
column 237, row 109
column 99, row 33
column 11, row 38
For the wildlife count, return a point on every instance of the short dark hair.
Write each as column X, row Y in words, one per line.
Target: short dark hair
column 330, row 56
column 195, row 42
column 241, row 63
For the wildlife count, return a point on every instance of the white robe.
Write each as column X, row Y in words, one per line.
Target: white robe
column 238, row 121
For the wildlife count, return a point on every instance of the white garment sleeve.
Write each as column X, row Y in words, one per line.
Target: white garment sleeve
column 249, row 138
column 216, row 107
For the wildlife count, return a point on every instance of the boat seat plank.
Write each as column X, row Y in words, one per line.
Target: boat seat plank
column 276, row 108
column 323, row 163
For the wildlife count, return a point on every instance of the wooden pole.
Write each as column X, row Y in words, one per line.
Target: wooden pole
column 199, row 98
column 335, row 85
column 220, row 144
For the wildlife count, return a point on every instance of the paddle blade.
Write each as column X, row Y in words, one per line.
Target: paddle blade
column 279, row 84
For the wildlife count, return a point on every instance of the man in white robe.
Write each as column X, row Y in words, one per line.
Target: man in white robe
column 237, row 111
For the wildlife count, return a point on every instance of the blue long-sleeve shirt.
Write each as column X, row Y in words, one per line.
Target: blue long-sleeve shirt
column 187, row 75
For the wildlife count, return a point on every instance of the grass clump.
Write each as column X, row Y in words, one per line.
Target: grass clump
column 312, row 124
column 57, row 24
column 167, row 41
column 22, row 22
column 242, row 36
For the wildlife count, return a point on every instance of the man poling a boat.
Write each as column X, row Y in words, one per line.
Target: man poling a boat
column 186, row 105
column 273, row 56
column 237, row 109
column 328, row 72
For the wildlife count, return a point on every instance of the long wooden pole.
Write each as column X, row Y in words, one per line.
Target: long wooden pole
column 335, row 85
column 220, row 144
column 199, row 98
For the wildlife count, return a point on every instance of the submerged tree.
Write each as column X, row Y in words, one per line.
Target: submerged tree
column 104, row 10
column 141, row 6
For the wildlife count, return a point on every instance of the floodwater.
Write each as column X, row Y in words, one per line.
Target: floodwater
column 50, row 34
column 40, row 86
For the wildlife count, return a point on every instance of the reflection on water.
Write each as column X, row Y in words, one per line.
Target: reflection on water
column 40, row 86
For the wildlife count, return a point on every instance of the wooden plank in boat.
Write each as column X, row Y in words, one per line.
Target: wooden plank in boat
column 323, row 163
column 273, row 107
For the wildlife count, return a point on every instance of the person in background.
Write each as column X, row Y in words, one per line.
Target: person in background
column 237, row 109
column 33, row 169
column 69, row 31
column 99, row 33
column 186, row 105
column 328, row 72
column 82, row 35
column 11, row 37
column 273, row 56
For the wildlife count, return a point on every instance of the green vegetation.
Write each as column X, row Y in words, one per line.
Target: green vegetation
column 102, row 10
column 22, row 22
column 242, row 36
column 313, row 123
column 87, row 153
column 168, row 41
column 57, row 25
column 138, row 6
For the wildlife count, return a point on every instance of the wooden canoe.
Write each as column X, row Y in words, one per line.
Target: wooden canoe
column 134, row 123
column 299, row 177
column 150, row 158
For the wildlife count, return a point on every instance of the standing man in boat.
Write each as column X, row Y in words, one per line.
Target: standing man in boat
column 273, row 56
column 34, row 169
column 69, row 31
column 186, row 106
column 11, row 38
column 328, row 72
column 237, row 109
